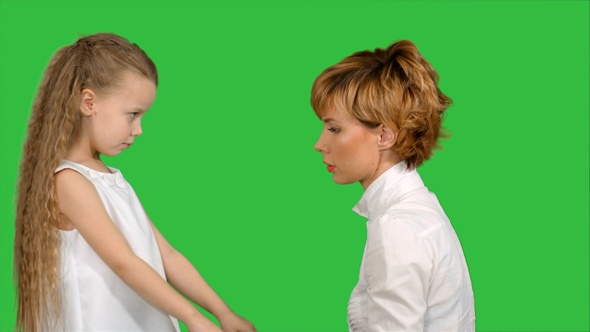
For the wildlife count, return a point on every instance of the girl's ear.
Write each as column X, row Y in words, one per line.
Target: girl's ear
column 387, row 138
column 87, row 100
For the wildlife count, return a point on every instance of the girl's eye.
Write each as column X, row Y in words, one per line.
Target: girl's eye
column 133, row 115
column 333, row 130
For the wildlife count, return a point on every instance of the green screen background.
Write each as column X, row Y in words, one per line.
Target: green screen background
column 226, row 166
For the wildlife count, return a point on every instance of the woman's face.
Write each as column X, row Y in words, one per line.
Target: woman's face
column 351, row 150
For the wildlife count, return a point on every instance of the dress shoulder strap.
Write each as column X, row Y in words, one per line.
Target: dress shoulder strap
column 85, row 171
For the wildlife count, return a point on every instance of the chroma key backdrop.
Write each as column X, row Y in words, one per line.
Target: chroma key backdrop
column 226, row 167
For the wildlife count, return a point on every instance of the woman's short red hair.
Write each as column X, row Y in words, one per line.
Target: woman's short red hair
column 395, row 87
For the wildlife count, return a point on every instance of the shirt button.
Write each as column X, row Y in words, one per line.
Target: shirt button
column 108, row 180
column 120, row 183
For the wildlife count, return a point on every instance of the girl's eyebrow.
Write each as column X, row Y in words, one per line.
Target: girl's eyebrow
column 138, row 109
column 326, row 120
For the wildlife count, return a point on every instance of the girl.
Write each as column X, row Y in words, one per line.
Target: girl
column 382, row 115
column 87, row 258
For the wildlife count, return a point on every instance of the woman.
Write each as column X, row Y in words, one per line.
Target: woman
column 382, row 114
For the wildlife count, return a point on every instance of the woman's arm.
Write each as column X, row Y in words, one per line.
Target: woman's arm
column 185, row 277
column 79, row 201
column 397, row 269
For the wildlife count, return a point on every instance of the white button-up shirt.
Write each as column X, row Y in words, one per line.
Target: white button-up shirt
column 413, row 274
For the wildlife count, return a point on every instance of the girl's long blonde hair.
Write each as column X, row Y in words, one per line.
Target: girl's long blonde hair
column 95, row 62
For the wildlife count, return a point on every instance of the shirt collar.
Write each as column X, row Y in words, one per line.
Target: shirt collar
column 387, row 189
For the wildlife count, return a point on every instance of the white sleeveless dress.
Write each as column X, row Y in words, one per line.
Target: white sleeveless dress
column 94, row 298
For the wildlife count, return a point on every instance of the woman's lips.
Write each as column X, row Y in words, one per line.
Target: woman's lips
column 331, row 168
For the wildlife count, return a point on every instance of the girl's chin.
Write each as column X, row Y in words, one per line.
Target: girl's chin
column 111, row 153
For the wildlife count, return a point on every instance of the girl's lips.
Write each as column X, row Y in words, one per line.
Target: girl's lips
column 331, row 168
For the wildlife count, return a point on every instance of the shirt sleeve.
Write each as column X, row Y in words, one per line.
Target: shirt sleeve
column 397, row 270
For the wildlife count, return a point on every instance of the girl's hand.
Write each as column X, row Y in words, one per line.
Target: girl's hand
column 204, row 325
column 230, row 322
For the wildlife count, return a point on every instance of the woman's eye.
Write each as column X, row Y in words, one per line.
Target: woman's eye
column 334, row 130
column 133, row 115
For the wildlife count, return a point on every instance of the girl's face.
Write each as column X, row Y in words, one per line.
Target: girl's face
column 114, row 119
column 352, row 151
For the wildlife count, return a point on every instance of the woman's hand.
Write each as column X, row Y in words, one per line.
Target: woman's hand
column 230, row 322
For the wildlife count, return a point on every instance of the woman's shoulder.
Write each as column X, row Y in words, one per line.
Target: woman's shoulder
column 419, row 216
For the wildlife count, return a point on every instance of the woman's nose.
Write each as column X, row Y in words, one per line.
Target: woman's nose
column 319, row 144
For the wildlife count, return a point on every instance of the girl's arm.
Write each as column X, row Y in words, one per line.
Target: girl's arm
column 79, row 201
column 185, row 277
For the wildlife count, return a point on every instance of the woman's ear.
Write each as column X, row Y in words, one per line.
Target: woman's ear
column 387, row 137
column 87, row 100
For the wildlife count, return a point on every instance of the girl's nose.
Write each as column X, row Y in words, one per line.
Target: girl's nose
column 137, row 130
